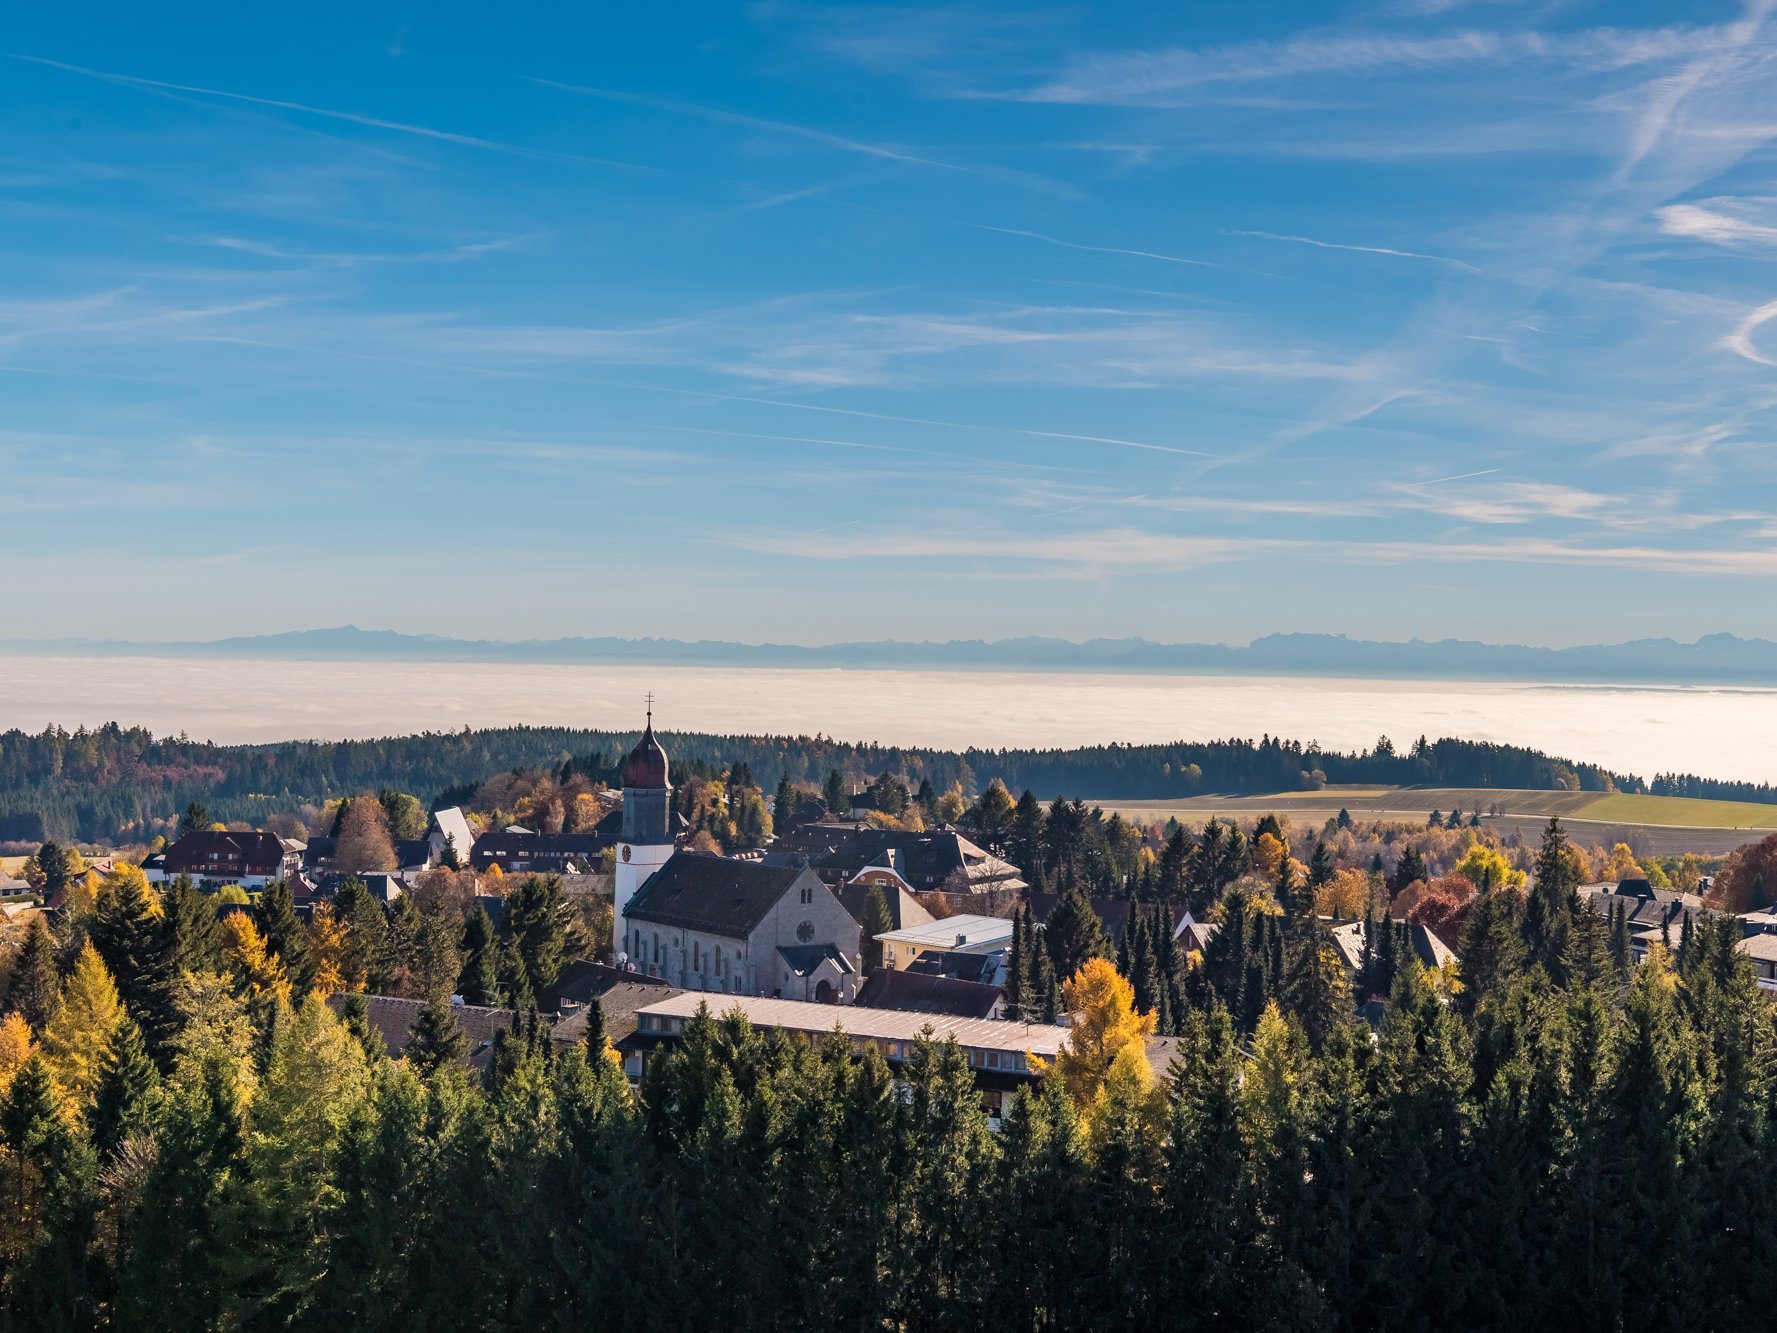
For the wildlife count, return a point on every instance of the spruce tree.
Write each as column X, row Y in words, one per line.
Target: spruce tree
column 598, row 1044
column 124, row 1102
column 1409, row 868
column 783, row 806
column 1549, row 914
column 51, row 1202
column 36, row 984
column 838, row 798
column 1073, row 932
column 537, row 922
column 436, row 1038
column 355, row 1014
column 877, row 921
column 275, row 915
column 1321, row 867
column 126, row 930
column 1025, row 842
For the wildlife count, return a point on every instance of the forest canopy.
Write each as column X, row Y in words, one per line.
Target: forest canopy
column 115, row 783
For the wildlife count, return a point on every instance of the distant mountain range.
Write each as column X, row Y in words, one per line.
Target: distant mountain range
column 1715, row 659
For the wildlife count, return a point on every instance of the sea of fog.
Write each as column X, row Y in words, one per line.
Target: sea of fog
column 1720, row 732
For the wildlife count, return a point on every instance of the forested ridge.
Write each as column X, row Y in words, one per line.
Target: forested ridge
column 189, row 1139
column 118, row 783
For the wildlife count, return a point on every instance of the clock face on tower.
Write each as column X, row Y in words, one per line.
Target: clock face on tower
column 626, row 851
column 805, row 932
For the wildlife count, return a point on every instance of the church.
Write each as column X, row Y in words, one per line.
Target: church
column 714, row 924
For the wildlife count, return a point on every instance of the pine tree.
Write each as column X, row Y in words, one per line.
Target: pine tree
column 537, row 922
column 1321, row 867
column 36, row 984
column 838, row 797
column 1073, row 932
column 1549, row 914
column 783, row 805
column 436, row 1039
column 1025, row 842
column 355, row 1014
column 126, row 930
column 1409, row 868
column 877, row 921
column 275, row 913
column 46, row 1177
column 367, row 930
column 598, row 1045
column 196, row 819
column 123, row 1103
column 479, row 981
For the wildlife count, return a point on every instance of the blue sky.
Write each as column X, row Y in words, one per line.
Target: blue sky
column 809, row 322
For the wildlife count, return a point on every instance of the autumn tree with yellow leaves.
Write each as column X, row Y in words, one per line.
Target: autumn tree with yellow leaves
column 1106, row 1029
column 257, row 970
column 78, row 1037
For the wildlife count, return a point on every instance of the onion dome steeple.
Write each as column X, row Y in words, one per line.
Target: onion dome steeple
column 647, row 811
column 645, row 765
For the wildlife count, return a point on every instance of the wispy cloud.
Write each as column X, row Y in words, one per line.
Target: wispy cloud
column 1360, row 249
column 1713, row 225
column 1097, row 249
column 827, row 139
column 446, row 255
column 1740, row 342
column 1136, row 549
column 1177, row 76
column 328, row 113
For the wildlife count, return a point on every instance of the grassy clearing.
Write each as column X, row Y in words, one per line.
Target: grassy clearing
column 1414, row 803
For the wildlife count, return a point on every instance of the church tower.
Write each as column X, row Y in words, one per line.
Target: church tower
column 647, row 839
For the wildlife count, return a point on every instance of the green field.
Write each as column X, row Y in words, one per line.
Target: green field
column 1665, row 824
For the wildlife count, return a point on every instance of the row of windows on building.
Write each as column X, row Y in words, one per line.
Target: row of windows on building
column 649, row 951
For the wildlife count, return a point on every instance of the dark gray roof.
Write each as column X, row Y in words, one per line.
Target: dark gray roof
column 393, row 1017
column 839, row 851
column 803, row 959
column 1112, row 912
column 233, row 853
column 696, row 891
column 619, row 1004
column 1643, row 904
column 914, row 993
column 582, row 980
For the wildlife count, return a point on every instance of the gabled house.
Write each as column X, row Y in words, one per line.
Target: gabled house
column 450, row 829
column 1423, row 943
column 212, row 860
column 711, row 923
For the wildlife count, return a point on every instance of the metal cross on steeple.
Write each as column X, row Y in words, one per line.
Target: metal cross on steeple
column 650, row 700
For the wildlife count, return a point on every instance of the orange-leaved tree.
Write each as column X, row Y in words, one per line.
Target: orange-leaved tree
column 1106, row 1026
